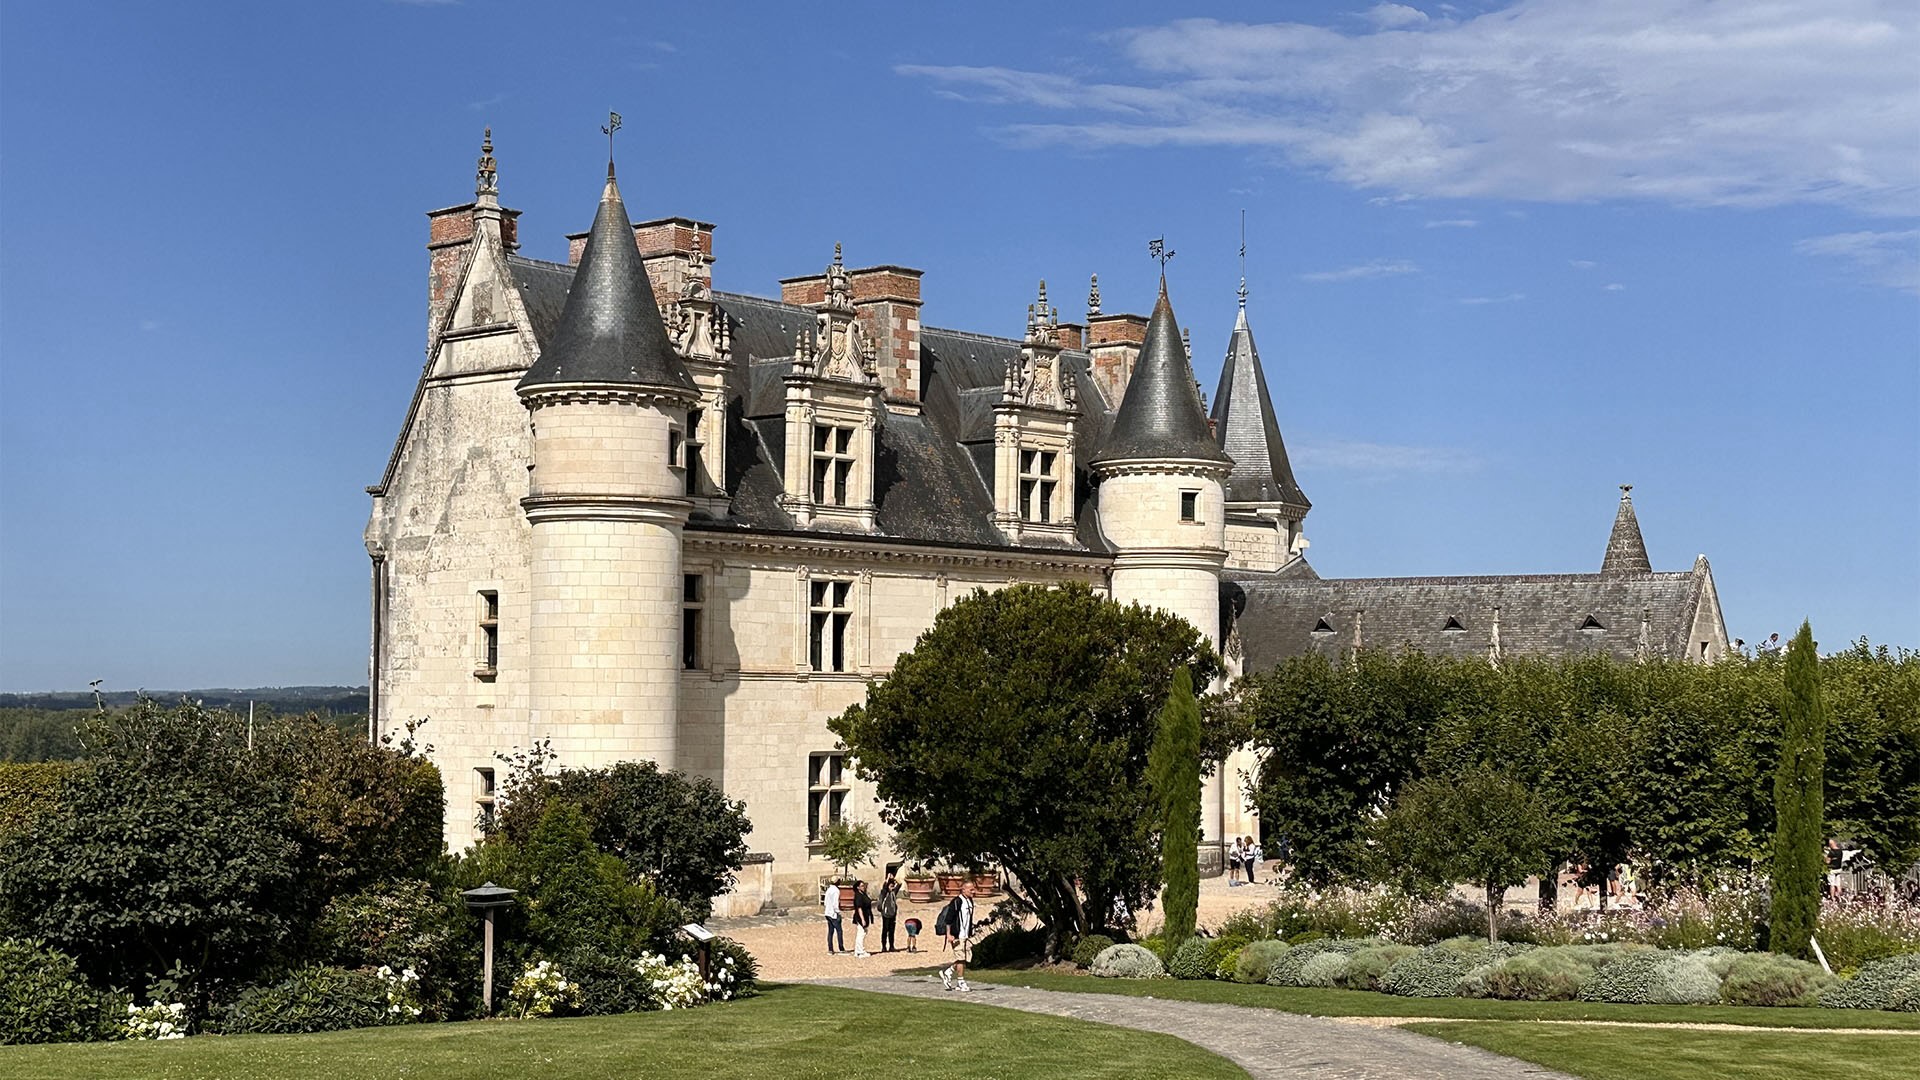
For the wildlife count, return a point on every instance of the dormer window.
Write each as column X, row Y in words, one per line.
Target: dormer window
column 832, row 464
column 1453, row 626
column 1038, row 481
column 1322, row 628
column 1592, row 625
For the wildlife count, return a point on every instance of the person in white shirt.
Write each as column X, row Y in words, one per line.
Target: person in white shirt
column 1253, row 855
column 959, row 923
column 830, row 907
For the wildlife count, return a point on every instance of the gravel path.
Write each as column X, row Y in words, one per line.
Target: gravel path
column 1269, row 1045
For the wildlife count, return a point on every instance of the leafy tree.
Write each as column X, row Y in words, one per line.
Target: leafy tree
column 1798, row 856
column 1174, row 766
column 1483, row 827
column 1017, row 731
column 168, row 851
column 679, row 832
column 847, row 844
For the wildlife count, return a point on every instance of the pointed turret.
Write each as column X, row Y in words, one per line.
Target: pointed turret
column 610, row 332
column 1247, row 428
column 1161, row 418
column 1626, row 551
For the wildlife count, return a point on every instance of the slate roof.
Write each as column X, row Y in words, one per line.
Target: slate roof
column 1248, row 430
column 1626, row 549
column 610, row 329
column 934, row 478
column 1287, row 614
column 1161, row 416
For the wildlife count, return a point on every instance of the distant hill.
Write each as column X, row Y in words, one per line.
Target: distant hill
column 279, row 699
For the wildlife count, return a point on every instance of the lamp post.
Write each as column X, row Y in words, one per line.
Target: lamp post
column 485, row 900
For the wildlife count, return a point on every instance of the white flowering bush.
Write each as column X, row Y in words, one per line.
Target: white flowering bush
column 403, row 993
column 157, row 1021
column 543, row 990
column 677, row 985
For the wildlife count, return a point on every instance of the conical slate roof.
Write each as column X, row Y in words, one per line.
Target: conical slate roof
column 1248, row 430
column 1626, row 551
column 610, row 331
column 1161, row 416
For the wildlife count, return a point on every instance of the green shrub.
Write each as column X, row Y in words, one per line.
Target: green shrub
column 1446, row 968
column 1873, row 986
column 28, row 790
column 746, row 970
column 1555, row 973
column 1127, row 962
column 1642, row 977
column 1255, row 961
column 311, row 999
column 1368, row 964
column 1156, row 945
column 1190, row 960
column 1009, row 944
column 43, row 999
column 1906, row 995
column 404, row 924
column 1306, row 936
column 607, row 985
column 1772, row 979
column 1286, row 969
column 1088, row 948
column 1221, row 955
column 1325, row 968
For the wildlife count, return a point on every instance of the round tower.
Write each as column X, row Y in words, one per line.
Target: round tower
column 1162, row 506
column 607, row 400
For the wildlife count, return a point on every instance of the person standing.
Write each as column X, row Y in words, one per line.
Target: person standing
column 862, row 918
column 888, row 908
column 958, row 920
column 1253, row 856
column 1234, row 855
column 830, row 907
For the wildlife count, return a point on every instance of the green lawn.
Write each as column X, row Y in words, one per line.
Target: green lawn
column 786, row 1033
column 1362, row 1003
column 1625, row 1053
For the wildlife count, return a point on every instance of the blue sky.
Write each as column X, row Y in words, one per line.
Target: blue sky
column 1502, row 257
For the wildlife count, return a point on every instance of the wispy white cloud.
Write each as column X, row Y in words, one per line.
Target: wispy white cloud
column 1394, row 16
column 149, row 325
column 1510, row 298
column 1582, row 264
column 486, row 102
column 1376, row 268
column 1454, row 223
column 1614, row 286
column 1884, row 258
column 1687, row 102
column 1383, row 457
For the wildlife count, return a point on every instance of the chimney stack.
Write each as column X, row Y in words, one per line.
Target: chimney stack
column 888, row 301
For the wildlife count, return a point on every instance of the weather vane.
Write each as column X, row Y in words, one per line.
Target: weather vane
column 1158, row 249
column 612, row 125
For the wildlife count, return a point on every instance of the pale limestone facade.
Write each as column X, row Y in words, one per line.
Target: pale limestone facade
column 537, row 548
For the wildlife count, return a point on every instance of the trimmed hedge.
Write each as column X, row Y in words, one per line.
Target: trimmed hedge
column 1088, row 948
column 1127, row 962
column 1772, row 979
column 1256, row 959
column 1874, row 985
column 1190, row 960
column 1554, row 973
column 28, row 791
column 1369, row 964
column 1457, row 966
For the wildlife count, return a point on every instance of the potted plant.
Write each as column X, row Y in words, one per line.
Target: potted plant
column 848, row 844
column 918, row 880
column 920, row 884
column 950, row 881
column 986, row 882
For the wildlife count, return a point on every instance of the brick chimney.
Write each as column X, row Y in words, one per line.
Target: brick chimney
column 1071, row 336
column 449, row 241
column 888, row 300
column 675, row 249
column 1114, row 342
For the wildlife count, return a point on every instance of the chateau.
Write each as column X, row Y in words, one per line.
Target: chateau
column 645, row 519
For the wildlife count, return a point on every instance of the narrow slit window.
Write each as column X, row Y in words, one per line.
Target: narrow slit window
column 488, row 660
column 1190, row 506
column 693, row 613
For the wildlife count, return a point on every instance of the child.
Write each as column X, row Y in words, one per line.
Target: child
column 913, row 934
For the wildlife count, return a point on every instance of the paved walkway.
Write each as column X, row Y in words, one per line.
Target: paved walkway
column 1270, row 1045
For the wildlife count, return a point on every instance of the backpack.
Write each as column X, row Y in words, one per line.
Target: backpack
column 948, row 921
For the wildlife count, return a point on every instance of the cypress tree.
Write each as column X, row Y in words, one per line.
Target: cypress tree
column 1174, row 766
column 1799, row 860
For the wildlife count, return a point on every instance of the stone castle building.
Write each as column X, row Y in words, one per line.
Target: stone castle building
column 645, row 519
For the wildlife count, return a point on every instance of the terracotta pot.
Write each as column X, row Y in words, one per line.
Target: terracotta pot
column 920, row 890
column 986, row 883
column 950, row 883
column 846, row 898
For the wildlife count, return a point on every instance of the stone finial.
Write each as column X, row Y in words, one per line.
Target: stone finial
column 1186, row 342
column 487, row 175
column 1626, row 492
column 1093, row 297
column 839, row 285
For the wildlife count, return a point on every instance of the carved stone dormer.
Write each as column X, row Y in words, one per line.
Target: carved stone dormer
column 833, row 414
column 702, row 335
column 1033, row 445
